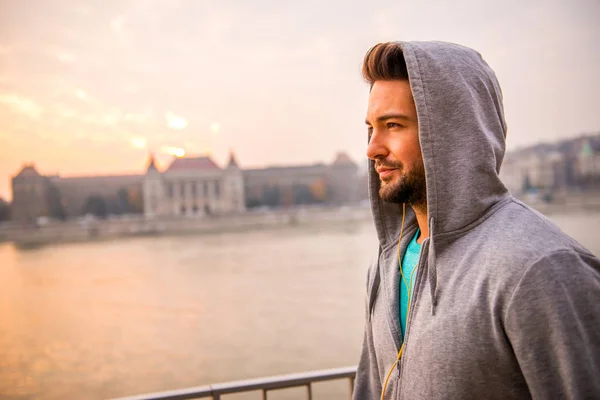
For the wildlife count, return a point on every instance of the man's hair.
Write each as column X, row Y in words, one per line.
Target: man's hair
column 384, row 62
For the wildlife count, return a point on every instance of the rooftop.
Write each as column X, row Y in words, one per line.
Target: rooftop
column 193, row 164
column 342, row 159
column 28, row 171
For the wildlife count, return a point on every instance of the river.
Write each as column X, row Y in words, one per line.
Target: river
column 107, row 319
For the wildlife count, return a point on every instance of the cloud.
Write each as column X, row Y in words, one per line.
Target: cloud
column 62, row 55
column 22, row 105
column 5, row 50
column 139, row 118
column 65, row 112
column 174, row 151
column 82, row 95
column 215, row 127
column 109, row 119
column 175, row 121
column 117, row 24
column 217, row 23
column 65, row 57
column 131, row 88
column 138, row 142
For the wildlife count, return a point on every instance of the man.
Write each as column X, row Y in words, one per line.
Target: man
column 473, row 295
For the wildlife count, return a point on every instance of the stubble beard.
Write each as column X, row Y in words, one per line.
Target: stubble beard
column 409, row 188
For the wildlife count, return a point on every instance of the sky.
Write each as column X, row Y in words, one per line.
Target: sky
column 92, row 87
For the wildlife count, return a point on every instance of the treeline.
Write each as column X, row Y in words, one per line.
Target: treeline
column 125, row 202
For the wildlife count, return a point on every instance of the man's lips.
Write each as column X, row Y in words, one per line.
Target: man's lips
column 384, row 172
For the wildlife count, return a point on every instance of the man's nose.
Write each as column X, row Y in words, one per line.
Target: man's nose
column 376, row 148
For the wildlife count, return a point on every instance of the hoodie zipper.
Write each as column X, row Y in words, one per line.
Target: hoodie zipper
column 420, row 265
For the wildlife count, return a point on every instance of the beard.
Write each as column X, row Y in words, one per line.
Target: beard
column 408, row 188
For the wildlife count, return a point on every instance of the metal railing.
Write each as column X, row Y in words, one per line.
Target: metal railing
column 261, row 384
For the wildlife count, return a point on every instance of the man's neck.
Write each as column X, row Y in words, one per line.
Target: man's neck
column 422, row 220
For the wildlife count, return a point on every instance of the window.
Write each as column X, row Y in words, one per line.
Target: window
column 151, row 203
column 193, row 189
column 217, row 189
column 182, row 189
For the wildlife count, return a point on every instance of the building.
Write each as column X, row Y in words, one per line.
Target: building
column 116, row 194
column 531, row 169
column 30, row 195
column 189, row 186
column 4, row 210
column 588, row 162
column 343, row 182
column 193, row 186
column 568, row 165
column 288, row 186
column 36, row 196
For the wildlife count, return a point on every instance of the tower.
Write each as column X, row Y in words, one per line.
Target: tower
column 234, row 186
column 153, row 190
column 29, row 190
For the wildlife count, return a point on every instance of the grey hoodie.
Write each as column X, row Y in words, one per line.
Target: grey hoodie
column 505, row 305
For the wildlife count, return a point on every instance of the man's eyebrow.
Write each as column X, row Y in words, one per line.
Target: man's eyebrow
column 385, row 117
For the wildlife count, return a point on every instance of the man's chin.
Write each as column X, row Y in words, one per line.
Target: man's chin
column 388, row 194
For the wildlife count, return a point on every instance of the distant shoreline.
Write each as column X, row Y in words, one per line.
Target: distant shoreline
column 138, row 226
column 564, row 201
column 112, row 229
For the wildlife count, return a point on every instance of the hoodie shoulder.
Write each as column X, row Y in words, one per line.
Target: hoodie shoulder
column 552, row 323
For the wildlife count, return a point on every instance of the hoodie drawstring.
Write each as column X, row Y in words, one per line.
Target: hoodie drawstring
column 432, row 267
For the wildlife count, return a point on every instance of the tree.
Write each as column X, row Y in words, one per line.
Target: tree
column 252, row 203
column 303, row 195
column 272, row 196
column 135, row 200
column 95, row 205
column 318, row 189
column 526, row 187
column 123, row 200
column 55, row 206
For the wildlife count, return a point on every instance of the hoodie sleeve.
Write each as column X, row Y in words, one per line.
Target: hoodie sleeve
column 366, row 384
column 553, row 323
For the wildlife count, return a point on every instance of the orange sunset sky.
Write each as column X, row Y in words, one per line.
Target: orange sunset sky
column 92, row 87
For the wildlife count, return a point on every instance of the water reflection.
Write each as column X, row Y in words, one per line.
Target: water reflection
column 126, row 317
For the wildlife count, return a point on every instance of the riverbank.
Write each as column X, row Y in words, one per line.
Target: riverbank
column 133, row 226
column 561, row 202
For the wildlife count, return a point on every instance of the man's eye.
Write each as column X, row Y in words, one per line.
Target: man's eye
column 370, row 131
column 391, row 125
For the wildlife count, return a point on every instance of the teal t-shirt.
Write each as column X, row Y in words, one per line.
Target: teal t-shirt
column 409, row 263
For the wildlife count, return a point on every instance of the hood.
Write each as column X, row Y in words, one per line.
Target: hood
column 462, row 135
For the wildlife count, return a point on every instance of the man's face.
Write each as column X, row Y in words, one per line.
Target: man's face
column 394, row 143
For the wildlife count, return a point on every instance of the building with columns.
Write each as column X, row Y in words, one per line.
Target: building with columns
column 189, row 186
column 193, row 186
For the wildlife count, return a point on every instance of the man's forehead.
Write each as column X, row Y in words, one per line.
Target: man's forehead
column 390, row 98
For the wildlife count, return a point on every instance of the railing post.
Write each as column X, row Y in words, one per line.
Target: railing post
column 309, row 390
column 264, row 392
column 351, row 387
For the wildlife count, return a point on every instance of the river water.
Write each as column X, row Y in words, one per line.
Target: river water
column 107, row 319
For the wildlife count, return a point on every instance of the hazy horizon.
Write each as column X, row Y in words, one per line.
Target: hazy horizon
column 90, row 88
